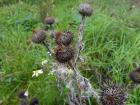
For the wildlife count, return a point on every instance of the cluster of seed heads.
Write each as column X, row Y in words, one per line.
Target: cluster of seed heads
column 64, row 52
column 111, row 95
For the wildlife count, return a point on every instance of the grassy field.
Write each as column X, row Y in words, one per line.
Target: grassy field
column 111, row 37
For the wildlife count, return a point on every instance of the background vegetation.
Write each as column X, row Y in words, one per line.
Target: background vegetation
column 112, row 45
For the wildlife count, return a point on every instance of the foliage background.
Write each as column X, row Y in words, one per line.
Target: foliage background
column 111, row 37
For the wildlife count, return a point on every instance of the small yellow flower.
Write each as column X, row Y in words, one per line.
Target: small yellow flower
column 37, row 73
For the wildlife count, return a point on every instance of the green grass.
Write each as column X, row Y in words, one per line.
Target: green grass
column 111, row 37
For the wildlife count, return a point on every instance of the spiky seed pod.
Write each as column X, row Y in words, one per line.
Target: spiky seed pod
column 85, row 9
column 22, row 95
column 49, row 20
column 113, row 95
column 34, row 101
column 64, row 38
column 64, row 54
column 135, row 75
column 39, row 36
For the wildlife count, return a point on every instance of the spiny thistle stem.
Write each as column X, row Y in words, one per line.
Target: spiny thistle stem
column 76, row 72
column 79, row 45
column 46, row 45
column 52, row 32
column 84, row 80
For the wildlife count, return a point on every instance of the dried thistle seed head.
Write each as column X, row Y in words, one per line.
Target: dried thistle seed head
column 34, row 101
column 49, row 20
column 64, row 54
column 64, row 38
column 135, row 75
column 85, row 9
column 21, row 94
column 39, row 36
column 113, row 95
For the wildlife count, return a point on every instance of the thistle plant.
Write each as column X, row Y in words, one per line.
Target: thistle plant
column 65, row 68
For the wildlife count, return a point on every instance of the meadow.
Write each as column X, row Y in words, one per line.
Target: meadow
column 111, row 38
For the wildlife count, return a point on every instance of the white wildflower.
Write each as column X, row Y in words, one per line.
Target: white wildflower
column 37, row 73
column 26, row 93
column 44, row 62
column 49, row 53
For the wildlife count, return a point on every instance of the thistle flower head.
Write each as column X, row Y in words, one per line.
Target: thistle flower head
column 64, row 38
column 49, row 20
column 85, row 9
column 34, row 101
column 135, row 75
column 39, row 36
column 113, row 95
column 64, row 54
column 21, row 94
